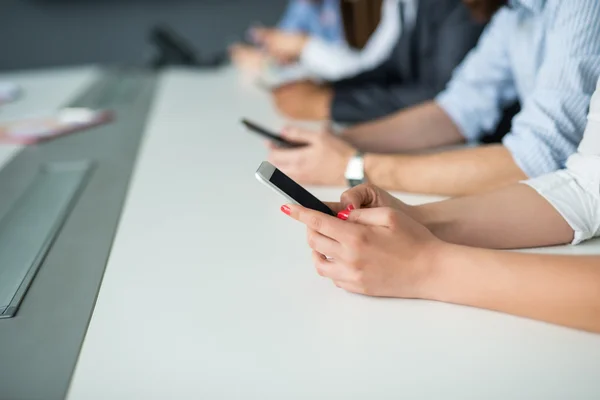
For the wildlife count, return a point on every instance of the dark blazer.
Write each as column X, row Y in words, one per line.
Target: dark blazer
column 420, row 66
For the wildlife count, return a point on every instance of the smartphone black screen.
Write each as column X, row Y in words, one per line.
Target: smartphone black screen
column 298, row 193
column 278, row 140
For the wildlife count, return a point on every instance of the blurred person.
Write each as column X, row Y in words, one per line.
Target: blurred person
column 379, row 246
column 545, row 53
column 303, row 19
column 435, row 37
column 336, row 60
column 304, row 56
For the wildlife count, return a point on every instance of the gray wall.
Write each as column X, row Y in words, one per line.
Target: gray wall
column 42, row 33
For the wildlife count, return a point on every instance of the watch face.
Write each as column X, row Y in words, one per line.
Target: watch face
column 355, row 171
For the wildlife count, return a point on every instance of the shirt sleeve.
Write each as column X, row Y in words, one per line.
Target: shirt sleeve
column 374, row 95
column 575, row 191
column 552, row 120
column 483, row 83
column 295, row 17
column 575, row 194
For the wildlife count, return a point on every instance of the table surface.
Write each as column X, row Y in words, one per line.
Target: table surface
column 209, row 292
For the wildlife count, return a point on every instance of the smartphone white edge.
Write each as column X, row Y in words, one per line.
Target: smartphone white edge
column 264, row 174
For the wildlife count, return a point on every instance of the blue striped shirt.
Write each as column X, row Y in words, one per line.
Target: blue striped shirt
column 322, row 21
column 546, row 54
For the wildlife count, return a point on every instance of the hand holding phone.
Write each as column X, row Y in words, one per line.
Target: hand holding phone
column 285, row 186
column 276, row 139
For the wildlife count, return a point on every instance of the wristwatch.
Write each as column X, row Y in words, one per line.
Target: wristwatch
column 355, row 171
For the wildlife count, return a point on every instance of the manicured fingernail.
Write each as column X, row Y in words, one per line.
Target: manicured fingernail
column 286, row 210
column 344, row 215
column 350, row 207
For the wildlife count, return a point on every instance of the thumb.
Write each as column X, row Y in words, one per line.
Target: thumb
column 361, row 196
column 259, row 35
column 382, row 216
column 298, row 135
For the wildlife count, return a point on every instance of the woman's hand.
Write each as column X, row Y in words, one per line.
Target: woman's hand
column 246, row 57
column 285, row 47
column 370, row 196
column 321, row 162
column 377, row 252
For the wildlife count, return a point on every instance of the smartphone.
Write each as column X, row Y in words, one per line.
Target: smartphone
column 44, row 126
column 285, row 186
column 278, row 140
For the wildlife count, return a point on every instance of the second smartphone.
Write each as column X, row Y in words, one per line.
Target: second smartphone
column 276, row 139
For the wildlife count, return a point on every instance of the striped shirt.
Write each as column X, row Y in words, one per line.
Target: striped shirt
column 575, row 191
column 546, row 54
column 318, row 20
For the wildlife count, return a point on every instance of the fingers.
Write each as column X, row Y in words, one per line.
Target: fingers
column 382, row 216
column 350, row 287
column 336, row 207
column 286, row 158
column 268, row 38
column 326, row 225
column 323, row 244
column 361, row 196
column 331, row 269
column 259, row 34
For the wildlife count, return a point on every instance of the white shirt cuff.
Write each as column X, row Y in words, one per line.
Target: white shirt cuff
column 320, row 58
column 575, row 194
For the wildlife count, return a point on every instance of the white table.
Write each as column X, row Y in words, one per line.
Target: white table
column 210, row 293
column 43, row 90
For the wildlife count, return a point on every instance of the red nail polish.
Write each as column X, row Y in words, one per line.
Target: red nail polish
column 350, row 207
column 344, row 215
column 286, row 210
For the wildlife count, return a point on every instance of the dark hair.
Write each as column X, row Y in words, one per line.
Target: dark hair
column 360, row 19
column 484, row 10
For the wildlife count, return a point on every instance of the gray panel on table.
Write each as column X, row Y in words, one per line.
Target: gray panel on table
column 40, row 345
column 30, row 227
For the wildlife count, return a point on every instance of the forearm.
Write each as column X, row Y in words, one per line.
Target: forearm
column 420, row 127
column 512, row 217
column 451, row 173
column 562, row 290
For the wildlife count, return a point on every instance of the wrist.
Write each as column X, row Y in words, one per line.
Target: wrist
column 355, row 170
column 437, row 263
column 302, row 43
column 426, row 215
column 440, row 218
column 386, row 171
column 298, row 45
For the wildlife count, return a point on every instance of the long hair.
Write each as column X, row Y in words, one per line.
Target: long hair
column 360, row 19
column 484, row 10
